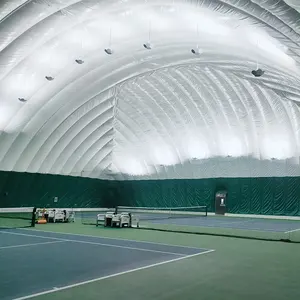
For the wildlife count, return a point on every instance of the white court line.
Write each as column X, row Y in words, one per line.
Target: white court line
column 294, row 230
column 29, row 245
column 112, row 238
column 99, row 244
column 109, row 276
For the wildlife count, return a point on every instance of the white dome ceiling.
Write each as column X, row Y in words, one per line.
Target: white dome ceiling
column 162, row 112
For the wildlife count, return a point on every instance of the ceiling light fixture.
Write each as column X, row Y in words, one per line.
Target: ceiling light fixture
column 148, row 45
column 197, row 50
column 258, row 72
column 109, row 50
column 22, row 100
column 49, row 78
column 79, row 61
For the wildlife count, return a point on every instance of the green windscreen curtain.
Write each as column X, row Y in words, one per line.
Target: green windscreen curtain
column 39, row 190
column 272, row 196
column 268, row 196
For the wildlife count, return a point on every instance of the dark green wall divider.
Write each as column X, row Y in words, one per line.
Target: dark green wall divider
column 39, row 190
column 273, row 196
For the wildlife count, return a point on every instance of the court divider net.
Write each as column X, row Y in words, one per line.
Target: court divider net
column 190, row 220
column 17, row 217
column 196, row 220
column 158, row 213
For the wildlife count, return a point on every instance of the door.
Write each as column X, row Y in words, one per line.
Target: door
column 220, row 202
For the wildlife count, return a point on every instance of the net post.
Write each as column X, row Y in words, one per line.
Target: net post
column 206, row 210
column 116, row 210
column 33, row 217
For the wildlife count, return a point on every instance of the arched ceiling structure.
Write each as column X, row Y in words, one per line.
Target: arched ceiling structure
column 67, row 107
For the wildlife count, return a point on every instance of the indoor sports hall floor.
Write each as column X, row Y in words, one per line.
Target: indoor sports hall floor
column 161, row 265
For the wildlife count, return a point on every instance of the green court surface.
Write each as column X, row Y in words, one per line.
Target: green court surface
column 238, row 269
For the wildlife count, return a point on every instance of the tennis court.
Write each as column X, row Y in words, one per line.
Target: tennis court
column 197, row 220
column 38, row 262
column 273, row 225
column 62, row 261
column 239, row 223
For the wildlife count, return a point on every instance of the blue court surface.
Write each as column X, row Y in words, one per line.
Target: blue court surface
column 34, row 262
column 257, row 224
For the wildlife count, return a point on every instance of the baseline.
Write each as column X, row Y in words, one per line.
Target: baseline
column 294, row 230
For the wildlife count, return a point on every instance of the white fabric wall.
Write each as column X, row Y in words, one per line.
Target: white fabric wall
column 159, row 113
